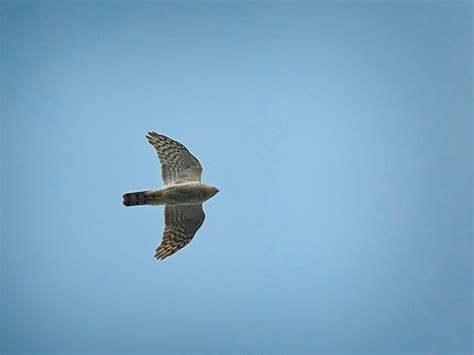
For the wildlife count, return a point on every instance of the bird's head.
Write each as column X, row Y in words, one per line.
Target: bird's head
column 211, row 190
column 214, row 190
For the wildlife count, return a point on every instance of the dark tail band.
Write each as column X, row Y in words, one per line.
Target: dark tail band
column 135, row 198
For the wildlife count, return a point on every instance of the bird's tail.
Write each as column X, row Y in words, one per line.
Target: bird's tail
column 135, row 198
column 149, row 197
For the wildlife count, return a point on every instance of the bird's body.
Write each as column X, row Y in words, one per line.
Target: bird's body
column 182, row 195
column 188, row 193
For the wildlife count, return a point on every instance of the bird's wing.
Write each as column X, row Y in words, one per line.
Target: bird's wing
column 181, row 224
column 177, row 163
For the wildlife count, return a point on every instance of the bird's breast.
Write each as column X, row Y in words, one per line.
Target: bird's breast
column 186, row 193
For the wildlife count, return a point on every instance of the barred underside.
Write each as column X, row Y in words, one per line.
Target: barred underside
column 190, row 193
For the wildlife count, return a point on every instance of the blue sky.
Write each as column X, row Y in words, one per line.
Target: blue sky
column 339, row 135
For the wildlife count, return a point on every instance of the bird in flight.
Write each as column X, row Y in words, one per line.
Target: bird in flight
column 182, row 194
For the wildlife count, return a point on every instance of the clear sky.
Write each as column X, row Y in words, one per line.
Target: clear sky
column 339, row 135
